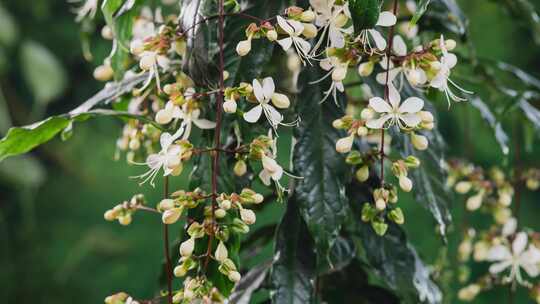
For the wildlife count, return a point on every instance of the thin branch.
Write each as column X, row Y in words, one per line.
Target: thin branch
column 168, row 264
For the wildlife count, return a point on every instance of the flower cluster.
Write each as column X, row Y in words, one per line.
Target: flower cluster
column 513, row 253
column 123, row 213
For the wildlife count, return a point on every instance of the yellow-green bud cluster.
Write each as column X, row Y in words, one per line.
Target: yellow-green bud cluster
column 123, row 212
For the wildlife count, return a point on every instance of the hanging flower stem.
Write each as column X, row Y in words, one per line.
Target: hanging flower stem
column 386, row 89
column 217, row 135
column 168, row 264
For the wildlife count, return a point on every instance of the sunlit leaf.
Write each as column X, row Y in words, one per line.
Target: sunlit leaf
column 422, row 7
column 489, row 117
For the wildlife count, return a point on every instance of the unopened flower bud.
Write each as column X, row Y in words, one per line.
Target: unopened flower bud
column 257, row 198
column 338, row 74
column 502, row 215
column 136, row 47
column 107, row 33
column 405, row 183
column 230, row 106
column 481, row 250
column 234, row 276
column 163, row 117
column 240, row 168
column 220, row 213
column 221, row 252
column 380, row 204
column 166, row 204
column 310, row 31
column 248, row 216
column 125, row 219
column 103, row 72
column 362, row 131
column 344, row 145
column 243, row 47
column 463, row 187
column 532, row 184
column 397, row 216
column 450, row 44
column 134, row 144
column 379, row 227
column 469, row 293
column 338, row 124
column 110, row 215
column 147, row 61
column 271, row 35
column 171, row 216
column 179, row 271
column 307, row 16
column 225, row 204
column 367, row 114
column 426, row 116
column 366, row 68
column 281, row 101
column 428, row 125
column 419, row 142
column 474, row 202
column 362, row 174
column 341, row 20
column 187, row 247
column 505, row 199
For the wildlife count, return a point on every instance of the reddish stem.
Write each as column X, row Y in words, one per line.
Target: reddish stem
column 168, row 264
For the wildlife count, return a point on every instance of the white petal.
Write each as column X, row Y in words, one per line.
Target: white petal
column 381, row 77
column 275, row 116
column 336, row 38
column 285, row 43
column 411, row 105
column 393, row 96
column 265, row 177
column 277, row 174
column 531, row 269
column 450, row 60
column 284, row 25
column 379, row 105
column 154, row 161
column 326, row 64
column 411, row 120
column 258, row 90
column 399, row 46
column 378, row 123
column 509, row 227
column 386, row 19
column 305, row 46
column 498, row 253
column 204, row 123
column 519, row 243
column 165, row 140
column 268, row 88
column 498, row 267
column 253, row 115
column 380, row 42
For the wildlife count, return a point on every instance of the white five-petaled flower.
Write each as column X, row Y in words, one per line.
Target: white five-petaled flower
column 414, row 74
column 405, row 115
column 89, row 8
column 294, row 29
column 330, row 17
column 442, row 79
column 338, row 71
column 169, row 158
column 515, row 258
column 271, row 169
column 151, row 61
column 264, row 95
column 386, row 19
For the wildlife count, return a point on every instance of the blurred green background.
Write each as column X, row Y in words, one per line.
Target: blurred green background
column 55, row 246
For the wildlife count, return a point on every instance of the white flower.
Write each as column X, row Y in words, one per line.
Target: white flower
column 367, row 36
column 294, row 29
column 271, row 169
column 331, row 18
column 168, row 158
column 414, row 74
column 515, row 258
column 264, row 95
column 441, row 80
column 150, row 62
column 89, row 8
column 188, row 117
column 404, row 115
column 338, row 71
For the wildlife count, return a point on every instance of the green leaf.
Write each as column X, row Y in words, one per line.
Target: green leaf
column 532, row 113
column 293, row 271
column 42, row 71
column 108, row 8
column 489, row 117
column 398, row 264
column 249, row 283
column 364, row 13
column 321, row 191
column 446, row 14
column 5, row 119
column 23, row 139
column 525, row 13
column 420, row 10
